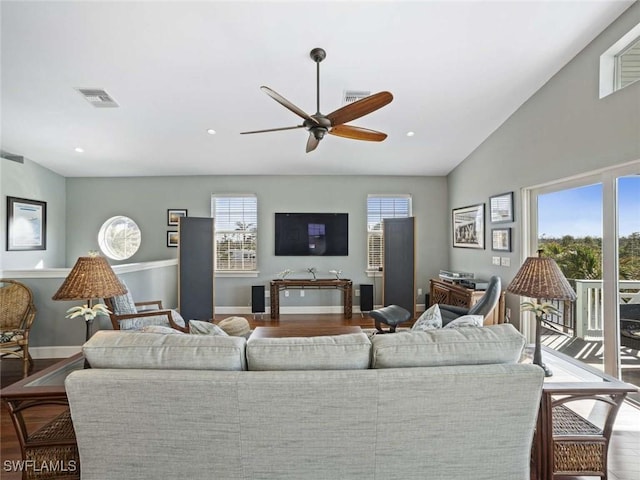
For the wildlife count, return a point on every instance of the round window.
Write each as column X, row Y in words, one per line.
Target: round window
column 119, row 238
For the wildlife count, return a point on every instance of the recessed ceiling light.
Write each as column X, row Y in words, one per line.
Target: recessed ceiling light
column 79, row 150
column 211, row 131
column 410, row 134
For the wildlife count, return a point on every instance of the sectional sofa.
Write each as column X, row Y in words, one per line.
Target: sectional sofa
column 450, row 404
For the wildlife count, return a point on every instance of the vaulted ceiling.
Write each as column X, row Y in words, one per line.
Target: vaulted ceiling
column 457, row 70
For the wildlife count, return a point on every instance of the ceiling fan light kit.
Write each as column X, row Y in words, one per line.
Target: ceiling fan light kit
column 318, row 125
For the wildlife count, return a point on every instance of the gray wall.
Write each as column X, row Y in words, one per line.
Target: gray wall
column 30, row 180
column 147, row 199
column 561, row 131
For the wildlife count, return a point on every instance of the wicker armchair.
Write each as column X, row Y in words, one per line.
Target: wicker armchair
column 17, row 313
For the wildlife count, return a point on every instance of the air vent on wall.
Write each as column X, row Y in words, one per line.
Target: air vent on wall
column 11, row 156
column 97, row 97
column 351, row 96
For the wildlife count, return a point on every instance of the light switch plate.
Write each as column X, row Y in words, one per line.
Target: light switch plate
column 505, row 261
column 495, row 260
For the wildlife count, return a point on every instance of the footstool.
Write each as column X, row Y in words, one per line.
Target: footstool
column 392, row 315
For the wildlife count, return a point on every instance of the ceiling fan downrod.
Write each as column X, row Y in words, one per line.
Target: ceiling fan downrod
column 318, row 55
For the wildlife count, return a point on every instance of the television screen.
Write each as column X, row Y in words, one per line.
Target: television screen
column 312, row 234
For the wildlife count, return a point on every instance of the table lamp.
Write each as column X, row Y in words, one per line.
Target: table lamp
column 540, row 278
column 90, row 278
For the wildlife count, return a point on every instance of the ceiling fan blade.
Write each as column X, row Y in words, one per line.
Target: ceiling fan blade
column 357, row 133
column 312, row 143
column 272, row 130
column 287, row 104
column 360, row 108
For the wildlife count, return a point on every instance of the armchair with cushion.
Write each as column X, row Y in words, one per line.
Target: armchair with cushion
column 17, row 313
column 483, row 307
column 129, row 315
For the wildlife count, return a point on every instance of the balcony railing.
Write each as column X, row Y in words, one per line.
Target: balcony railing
column 584, row 318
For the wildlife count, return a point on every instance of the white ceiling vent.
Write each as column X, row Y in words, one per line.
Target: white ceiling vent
column 97, row 97
column 351, row 96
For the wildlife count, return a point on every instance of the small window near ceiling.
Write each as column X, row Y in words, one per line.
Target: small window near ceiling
column 628, row 65
column 620, row 64
column 119, row 238
column 380, row 207
column 236, row 231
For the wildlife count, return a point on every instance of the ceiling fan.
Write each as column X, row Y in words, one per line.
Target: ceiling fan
column 318, row 125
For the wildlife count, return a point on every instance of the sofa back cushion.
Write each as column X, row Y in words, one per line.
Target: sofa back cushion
column 336, row 352
column 120, row 349
column 448, row 346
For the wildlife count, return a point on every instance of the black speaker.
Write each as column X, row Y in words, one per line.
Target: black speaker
column 257, row 299
column 366, row 297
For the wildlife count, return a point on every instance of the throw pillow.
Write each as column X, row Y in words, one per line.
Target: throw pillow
column 429, row 320
column 466, row 321
column 161, row 329
column 198, row 327
column 124, row 304
column 235, row 326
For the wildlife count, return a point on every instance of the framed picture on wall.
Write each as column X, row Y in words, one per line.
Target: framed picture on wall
column 173, row 216
column 468, row 226
column 172, row 239
column 26, row 224
column 501, row 239
column 501, row 207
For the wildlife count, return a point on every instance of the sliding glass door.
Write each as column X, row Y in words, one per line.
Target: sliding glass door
column 591, row 227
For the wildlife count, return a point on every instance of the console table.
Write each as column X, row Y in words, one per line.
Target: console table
column 345, row 285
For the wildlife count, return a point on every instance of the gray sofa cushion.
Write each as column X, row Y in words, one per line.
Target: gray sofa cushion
column 337, row 352
column 119, row 349
column 448, row 346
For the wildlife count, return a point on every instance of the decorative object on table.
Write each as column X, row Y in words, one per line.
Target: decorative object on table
column 90, row 278
column 501, row 239
column 26, row 224
column 540, row 278
column 89, row 313
column 312, row 271
column 468, row 226
column 17, row 313
column 337, row 273
column 174, row 215
column 501, row 208
column 172, row 239
column 284, row 273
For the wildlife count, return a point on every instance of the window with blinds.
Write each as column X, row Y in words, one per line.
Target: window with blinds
column 236, row 231
column 380, row 207
column 628, row 65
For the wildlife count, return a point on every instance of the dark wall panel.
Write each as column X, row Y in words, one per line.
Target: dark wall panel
column 196, row 268
column 399, row 263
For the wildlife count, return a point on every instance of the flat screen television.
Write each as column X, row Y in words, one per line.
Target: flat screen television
column 312, row 234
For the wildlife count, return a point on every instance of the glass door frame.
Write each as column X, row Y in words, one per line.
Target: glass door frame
column 608, row 179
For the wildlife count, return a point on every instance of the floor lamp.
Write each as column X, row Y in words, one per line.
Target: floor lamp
column 541, row 278
column 90, row 278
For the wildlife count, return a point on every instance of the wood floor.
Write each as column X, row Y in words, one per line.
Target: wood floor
column 623, row 455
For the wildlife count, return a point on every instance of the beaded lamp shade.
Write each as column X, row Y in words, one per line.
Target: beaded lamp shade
column 541, row 277
column 90, row 277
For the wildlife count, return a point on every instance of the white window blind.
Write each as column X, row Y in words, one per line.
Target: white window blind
column 236, row 231
column 380, row 207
